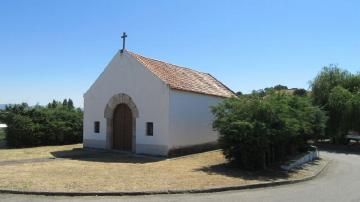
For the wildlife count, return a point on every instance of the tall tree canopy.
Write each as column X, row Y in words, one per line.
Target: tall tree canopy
column 338, row 91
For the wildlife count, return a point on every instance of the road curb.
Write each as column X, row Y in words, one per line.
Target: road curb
column 209, row 190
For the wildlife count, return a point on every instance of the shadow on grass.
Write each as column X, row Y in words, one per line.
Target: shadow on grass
column 104, row 156
column 230, row 170
column 271, row 174
column 3, row 144
column 342, row 149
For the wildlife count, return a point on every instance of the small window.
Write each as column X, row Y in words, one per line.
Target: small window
column 149, row 128
column 97, row 126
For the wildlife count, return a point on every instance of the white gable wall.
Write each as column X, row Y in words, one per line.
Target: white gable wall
column 191, row 119
column 124, row 74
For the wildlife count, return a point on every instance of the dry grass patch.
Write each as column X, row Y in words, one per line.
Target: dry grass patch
column 34, row 152
column 107, row 172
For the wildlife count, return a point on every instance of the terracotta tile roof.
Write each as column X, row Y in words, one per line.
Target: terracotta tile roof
column 185, row 79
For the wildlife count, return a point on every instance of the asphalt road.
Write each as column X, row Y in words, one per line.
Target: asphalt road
column 340, row 182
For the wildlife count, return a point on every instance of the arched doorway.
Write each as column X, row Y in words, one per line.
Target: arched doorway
column 118, row 106
column 122, row 128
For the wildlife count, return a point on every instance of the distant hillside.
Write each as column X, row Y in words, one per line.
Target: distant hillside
column 2, row 106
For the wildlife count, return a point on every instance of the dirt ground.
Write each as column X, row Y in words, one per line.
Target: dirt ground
column 77, row 170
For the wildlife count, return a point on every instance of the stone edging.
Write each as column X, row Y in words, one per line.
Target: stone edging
column 209, row 190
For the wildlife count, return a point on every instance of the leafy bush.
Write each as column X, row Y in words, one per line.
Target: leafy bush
column 56, row 124
column 257, row 131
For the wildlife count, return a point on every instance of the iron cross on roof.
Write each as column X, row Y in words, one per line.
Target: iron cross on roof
column 123, row 37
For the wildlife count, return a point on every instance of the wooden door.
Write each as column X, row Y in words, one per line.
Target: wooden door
column 122, row 128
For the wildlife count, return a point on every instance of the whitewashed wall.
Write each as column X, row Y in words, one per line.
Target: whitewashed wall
column 124, row 74
column 191, row 119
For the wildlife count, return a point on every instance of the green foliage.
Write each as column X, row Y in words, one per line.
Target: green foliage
column 337, row 103
column 300, row 92
column 344, row 111
column 65, row 103
column 337, row 91
column 269, row 90
column 257, row 131
column 352, row 83
column 70, row 104
column 352, row 113
column 2, row 134
column 325, row 81
column 280, row 87
column 239, row 93
column 55, row 124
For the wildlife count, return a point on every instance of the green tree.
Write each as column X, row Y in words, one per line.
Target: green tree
column 336, row 90
column 70, row 104
column 65, row 103
column 352, row 83
column 352, row 113
column 54, row 104
column 337, row 104
column 258, row 131
column 325, row 81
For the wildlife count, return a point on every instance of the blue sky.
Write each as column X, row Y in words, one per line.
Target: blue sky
column 56, row 49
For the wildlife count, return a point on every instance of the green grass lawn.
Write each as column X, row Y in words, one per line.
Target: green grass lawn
column 2, row 134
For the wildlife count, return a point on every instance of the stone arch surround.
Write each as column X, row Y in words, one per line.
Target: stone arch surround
column 114, row 101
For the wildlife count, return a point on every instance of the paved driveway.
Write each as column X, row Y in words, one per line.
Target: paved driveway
column 339, row 182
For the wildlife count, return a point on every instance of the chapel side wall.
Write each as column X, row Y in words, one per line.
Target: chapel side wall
column 191, row 119
column 126, row 75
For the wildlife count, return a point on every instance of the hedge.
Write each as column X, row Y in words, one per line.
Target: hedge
column 56, row 124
